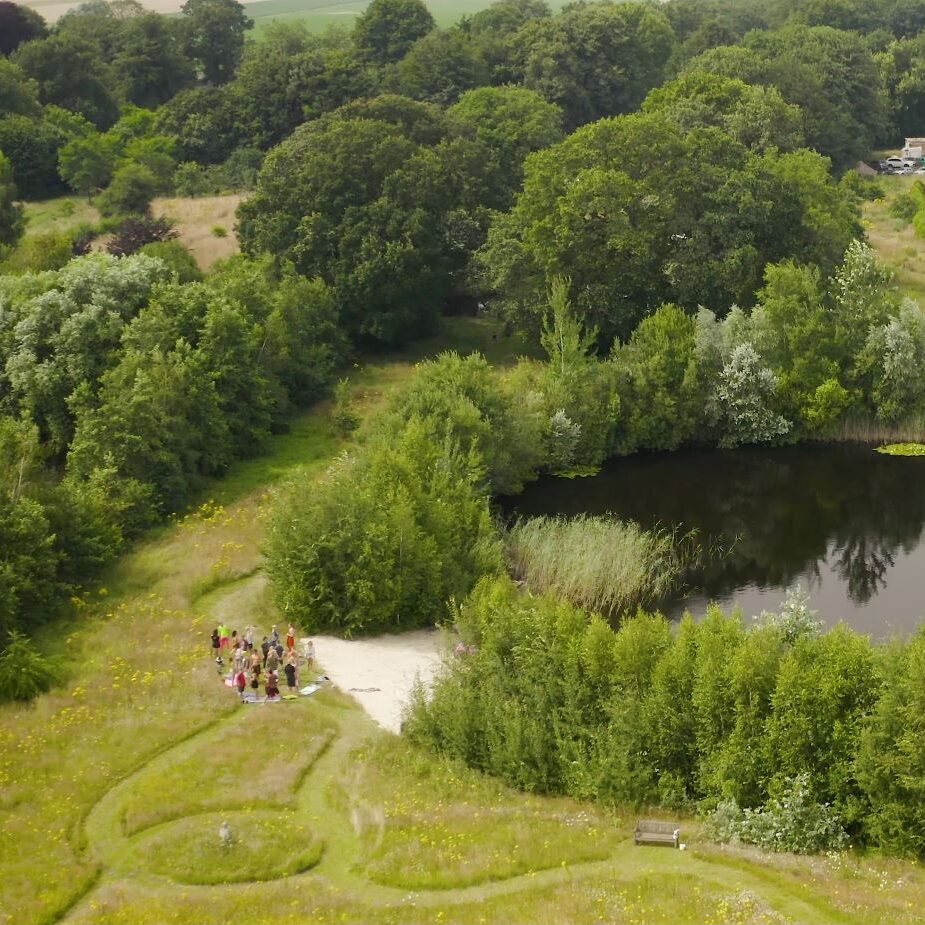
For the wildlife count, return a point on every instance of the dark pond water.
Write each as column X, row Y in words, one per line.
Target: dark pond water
column 845, row 522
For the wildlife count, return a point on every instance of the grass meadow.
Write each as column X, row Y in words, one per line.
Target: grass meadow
column 59, row 214
column 894, row 240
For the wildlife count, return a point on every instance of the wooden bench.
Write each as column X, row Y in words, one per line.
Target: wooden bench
column 657, row 833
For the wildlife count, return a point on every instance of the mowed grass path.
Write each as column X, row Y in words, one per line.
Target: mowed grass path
column 112, row 787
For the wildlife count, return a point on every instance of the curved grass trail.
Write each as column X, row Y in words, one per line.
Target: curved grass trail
column 340, row 870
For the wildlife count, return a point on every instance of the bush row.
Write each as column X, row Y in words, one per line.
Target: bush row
column 813, row 732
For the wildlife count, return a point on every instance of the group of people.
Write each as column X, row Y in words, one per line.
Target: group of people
column 250, row 664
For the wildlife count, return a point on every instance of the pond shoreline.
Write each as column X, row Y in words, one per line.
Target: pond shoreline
column 836, row 517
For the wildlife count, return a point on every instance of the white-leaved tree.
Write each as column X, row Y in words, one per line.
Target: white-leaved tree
column 743, row 403
column 894, row 356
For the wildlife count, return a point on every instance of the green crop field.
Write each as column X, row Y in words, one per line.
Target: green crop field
column 322, row 13
column 319, row 14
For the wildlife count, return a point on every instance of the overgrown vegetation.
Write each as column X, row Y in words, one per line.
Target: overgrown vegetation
column 138, row 386
column 812, row 356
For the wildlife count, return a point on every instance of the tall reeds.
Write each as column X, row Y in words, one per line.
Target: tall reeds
column 868, row 429
column 599, row 563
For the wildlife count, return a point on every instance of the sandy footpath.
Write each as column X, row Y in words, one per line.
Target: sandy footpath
column 380, row 672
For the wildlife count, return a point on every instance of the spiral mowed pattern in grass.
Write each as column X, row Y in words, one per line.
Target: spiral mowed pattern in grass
column 263, row 845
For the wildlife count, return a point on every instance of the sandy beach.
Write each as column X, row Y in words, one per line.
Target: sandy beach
column 381, row 671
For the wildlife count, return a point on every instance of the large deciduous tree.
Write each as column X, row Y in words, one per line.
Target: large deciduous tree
column 756, row 116
column 32, row 144
column 386, row 29
column 18, row 94
column 441, row 66
column 70, row 73
column 215, row 36
column 831, row 74
column 639, row 212
column 18, row 24
column 150, row 66
column 594, row 60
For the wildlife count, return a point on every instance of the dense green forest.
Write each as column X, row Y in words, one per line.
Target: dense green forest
column 661, row 193
column 653, row 160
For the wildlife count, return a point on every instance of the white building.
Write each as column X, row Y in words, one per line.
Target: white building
column 914, row 147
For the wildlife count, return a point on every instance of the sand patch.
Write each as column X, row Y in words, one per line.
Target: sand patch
column 381, row 671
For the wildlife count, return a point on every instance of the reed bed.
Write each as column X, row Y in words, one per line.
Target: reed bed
column 599, row 563
column 870, row 430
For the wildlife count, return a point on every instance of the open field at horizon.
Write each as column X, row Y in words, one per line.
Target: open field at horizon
column 317, row 13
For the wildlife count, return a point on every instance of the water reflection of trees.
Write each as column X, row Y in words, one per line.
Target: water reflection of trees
column 792, row 511
column 862, row 563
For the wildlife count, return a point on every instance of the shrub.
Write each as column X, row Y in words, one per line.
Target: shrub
column 865, row 189
column 462, row 399
column 793, row 821
column 386, row 539
column 130, row 193
column 134, row 233
column 794, row 619
column 24, row 673
column 177, row 257
column 219, row 231
column 904, row 207
column 48, row 251
column 344, row 415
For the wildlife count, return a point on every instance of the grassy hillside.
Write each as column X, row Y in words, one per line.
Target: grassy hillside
column 895, row 241
column 112, row 787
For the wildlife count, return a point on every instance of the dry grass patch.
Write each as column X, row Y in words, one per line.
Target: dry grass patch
column 196, row 218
